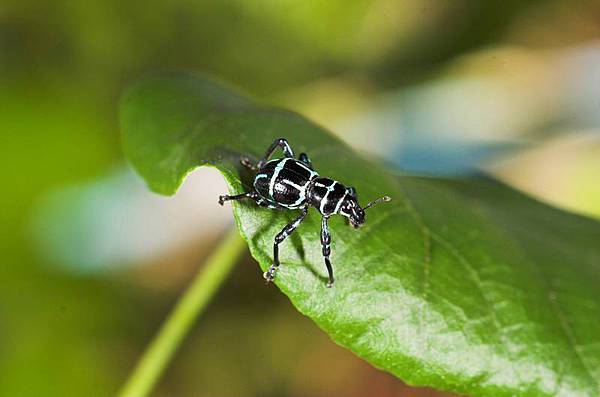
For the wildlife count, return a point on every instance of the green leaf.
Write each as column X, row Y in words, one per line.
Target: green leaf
column 461, row 285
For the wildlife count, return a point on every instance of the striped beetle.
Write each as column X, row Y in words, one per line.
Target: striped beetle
column 288, row 183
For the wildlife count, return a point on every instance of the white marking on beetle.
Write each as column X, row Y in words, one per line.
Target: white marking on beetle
column 276, row 172
column 292, row 184
column 313, row 174
column 339, row 204
column 301, row 198
column 257, row 177
column 325, row 198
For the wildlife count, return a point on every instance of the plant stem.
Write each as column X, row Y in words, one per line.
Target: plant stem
column 180, row 320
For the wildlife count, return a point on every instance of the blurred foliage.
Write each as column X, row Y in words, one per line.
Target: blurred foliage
column 62, row 67
column 263, row 46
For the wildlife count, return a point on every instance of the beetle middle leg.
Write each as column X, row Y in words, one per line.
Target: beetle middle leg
column 326, row 245
column 269, row 275
column 306, row 160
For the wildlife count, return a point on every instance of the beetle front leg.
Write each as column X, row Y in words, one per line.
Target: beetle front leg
column 269, row 275
column 326, row 245
column 306, row 160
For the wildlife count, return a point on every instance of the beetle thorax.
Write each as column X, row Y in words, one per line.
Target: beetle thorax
column 327, row 195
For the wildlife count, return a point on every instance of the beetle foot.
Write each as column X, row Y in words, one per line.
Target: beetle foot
column 269, row 275
column 222, row 199
column 330, row 284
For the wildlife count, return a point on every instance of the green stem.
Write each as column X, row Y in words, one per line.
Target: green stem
column 190, row 305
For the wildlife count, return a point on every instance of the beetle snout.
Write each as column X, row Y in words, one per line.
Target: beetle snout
column 357, row 217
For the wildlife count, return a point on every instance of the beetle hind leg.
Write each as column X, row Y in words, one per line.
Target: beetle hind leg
column 281, row 143
column 247, row 162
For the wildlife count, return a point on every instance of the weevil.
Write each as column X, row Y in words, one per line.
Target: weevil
column 290, row 183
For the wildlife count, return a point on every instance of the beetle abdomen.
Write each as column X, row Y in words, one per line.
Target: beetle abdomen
column 284, row 181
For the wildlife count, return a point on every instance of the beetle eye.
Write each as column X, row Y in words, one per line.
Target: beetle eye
column 352, row 192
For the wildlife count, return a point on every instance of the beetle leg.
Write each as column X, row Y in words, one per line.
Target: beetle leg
column 306, row 160
column 269, row 275
column 326, row 245
column 250, row 195
column 283, row 144
column 247, row 162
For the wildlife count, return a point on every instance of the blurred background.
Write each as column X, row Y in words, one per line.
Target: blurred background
column 92, row 262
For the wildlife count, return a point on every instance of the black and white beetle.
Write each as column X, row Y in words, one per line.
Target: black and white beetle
column 294, row 184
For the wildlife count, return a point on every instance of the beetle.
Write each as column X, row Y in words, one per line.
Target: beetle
column 290, row 183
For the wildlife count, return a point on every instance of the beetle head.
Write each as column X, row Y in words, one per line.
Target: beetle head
column 352, row 210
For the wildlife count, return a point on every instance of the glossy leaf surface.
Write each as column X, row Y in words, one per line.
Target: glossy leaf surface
column 467, row 286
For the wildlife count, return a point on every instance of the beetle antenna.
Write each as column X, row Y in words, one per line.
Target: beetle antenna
column 383, row 199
